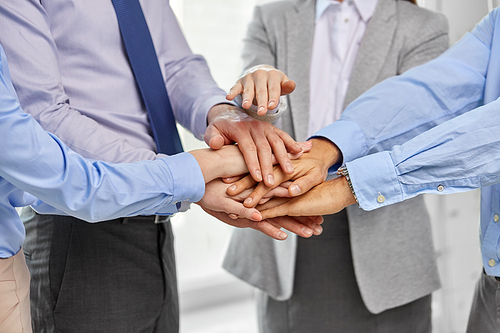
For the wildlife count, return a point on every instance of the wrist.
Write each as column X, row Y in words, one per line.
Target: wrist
column 342, row 171
column 327, row 150
column 217, row 110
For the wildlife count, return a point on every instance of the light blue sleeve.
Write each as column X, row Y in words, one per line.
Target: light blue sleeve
column 459, row 155
column 39, row 163
column 416, row 133
column 399, row 108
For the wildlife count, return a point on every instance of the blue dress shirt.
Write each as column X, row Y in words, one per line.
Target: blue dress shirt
column 40, row 164
column 434, row 129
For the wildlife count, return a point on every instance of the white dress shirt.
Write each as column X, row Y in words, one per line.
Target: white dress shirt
column 339, row 29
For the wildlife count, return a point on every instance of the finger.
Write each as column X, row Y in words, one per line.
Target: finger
column 261, row 95
column 274, row 88
column 234, row 207
column 287, row 86
column 262, row 226
column 249, row 150
column 264, row 152
column 306, row 146
column 279, row 191
column 269, row 230
column 280, row 152
column 281, row 210
column 234, row 91
column 213, row 137
column 248, row 93
column 290, row 144
column 304, row 184
column 312, row 222
column 241, row 185
column 230, row 180
column 262, row 189
column 264, row 200
column 243, row 195
column 294, row 226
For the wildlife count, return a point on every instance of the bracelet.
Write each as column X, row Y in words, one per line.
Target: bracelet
column 342, row 171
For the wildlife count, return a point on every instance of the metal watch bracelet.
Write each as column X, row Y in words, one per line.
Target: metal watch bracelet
column 342, row 171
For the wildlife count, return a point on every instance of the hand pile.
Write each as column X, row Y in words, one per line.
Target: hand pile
column 271, row 181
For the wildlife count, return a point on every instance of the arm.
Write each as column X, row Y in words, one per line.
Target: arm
column 404, row 106
column 459, row 155
column 27, row 36
column 42, row 165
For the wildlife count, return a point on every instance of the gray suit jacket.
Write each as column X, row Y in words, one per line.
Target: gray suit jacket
column 392, row 249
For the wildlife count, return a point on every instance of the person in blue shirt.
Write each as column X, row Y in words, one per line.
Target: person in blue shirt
column 36, row 165
column 434, row 129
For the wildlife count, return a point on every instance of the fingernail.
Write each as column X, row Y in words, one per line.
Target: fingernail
column 232, row 188
column 256, row 216
column 261, row 109
column 258, row 175
column 289, row 167
column 318, row 230
column 282, row 235
column 248, row 201
column 233, row 216
column 308, row 232
column 270, row 179
column 308, row 144
column 271, row 104
column 246, row 101
column 295, row 189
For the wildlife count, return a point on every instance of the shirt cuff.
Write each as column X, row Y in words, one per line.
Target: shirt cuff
column 188, row 182
column 271, row 116
column 375, row 181
column 347, row 136
column 201, row 123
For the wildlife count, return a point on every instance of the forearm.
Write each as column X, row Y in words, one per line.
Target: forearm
column 459, row 155
column 402, row 107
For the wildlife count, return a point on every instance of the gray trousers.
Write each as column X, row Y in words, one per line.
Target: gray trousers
column 326, row 297
column 112, row 277
column 485, row 312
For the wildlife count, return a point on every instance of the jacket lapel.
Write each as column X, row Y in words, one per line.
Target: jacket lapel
column 300, row 32
column 373, row 50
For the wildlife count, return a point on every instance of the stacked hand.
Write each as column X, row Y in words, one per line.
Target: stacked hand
column 285, row 177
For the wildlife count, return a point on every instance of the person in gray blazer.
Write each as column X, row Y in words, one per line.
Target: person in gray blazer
column 368, row 271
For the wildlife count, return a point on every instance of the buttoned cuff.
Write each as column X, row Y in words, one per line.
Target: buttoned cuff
column 375, row 181
column 188, row 182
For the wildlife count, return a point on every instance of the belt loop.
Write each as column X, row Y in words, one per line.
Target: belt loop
column 124, row 220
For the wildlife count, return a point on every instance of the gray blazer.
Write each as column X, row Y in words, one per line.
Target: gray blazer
column 392, row 249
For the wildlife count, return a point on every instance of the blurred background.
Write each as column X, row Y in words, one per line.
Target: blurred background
column 212, row 301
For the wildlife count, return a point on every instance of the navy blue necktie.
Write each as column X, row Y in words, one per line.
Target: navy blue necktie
column 142, row 56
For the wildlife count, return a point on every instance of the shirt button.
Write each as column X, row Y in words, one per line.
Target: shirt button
column 492, row 262
column 495, row 218
column 440, row 188
column 380, row 198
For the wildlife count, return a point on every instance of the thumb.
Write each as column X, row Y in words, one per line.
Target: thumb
column 213, row 137
column 302, row 185
column 287, row 86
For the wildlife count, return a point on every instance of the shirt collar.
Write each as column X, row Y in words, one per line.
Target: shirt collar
column 365, row 8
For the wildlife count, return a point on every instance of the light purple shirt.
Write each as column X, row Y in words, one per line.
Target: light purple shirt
column 339, row 29
column 72, row 75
